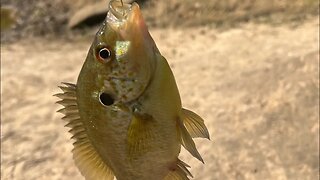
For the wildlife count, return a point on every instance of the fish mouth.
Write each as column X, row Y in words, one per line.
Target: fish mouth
column 118, row 12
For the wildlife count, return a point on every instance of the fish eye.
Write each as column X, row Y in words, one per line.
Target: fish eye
column 104, row 54
column 106, row 99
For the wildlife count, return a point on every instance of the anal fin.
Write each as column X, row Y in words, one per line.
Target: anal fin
column 194, row 124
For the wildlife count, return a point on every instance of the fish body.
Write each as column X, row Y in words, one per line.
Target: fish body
column 125, row 111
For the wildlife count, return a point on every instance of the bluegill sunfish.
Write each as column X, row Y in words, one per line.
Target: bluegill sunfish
column 125, row 111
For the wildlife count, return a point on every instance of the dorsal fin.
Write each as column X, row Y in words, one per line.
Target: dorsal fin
column 85, row 156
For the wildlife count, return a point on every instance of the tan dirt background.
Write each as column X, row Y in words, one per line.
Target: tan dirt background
column 256, row 86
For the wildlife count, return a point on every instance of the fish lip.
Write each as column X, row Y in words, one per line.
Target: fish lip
column 118, row 12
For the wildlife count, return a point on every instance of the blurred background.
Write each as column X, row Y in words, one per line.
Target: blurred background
column 250, row 68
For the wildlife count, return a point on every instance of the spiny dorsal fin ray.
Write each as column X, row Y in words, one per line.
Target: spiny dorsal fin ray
column 85, row 156
column 77, row 129
column 65, row 89
column 180, row 172
column 68, row 110
column 187, row 141
column 71, row 117
column 74, row 123
column 66, row 95
column 70, row 85
column 194, row 124
column 66, row 102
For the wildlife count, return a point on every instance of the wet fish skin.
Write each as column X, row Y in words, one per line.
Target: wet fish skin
column 140, row 133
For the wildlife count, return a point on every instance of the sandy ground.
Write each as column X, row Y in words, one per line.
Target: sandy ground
column 256, row 86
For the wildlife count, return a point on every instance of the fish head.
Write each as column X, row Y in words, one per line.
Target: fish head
column 121, row 60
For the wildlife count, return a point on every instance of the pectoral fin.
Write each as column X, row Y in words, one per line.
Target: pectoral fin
column 187, row 141
column 194, row 124
column 140, row 134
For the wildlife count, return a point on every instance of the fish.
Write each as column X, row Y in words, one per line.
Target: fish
column 125, row 112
